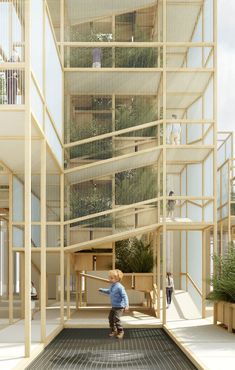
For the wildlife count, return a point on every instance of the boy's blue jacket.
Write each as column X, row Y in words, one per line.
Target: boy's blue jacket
column 117, row 294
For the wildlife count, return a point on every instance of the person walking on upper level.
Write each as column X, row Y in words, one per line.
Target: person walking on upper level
column 175, row 131
column 119, row 301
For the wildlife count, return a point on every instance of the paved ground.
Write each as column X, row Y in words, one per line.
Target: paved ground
column 141, row 349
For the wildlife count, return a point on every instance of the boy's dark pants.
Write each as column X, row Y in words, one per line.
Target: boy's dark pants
column 114, row 319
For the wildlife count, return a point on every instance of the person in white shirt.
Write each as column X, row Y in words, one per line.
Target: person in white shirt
column 34, row 297
column 175, row 131
column 169, row 288
column 168, row 133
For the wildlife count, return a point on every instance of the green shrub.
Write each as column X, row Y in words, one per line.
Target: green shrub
column 223, row 280
column 137, row 113
column 133, row 255
column 135, row 185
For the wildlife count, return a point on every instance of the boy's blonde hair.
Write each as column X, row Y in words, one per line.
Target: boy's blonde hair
column 118, row 274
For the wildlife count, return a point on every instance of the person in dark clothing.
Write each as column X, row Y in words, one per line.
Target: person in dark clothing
column 169, row 288
column 12, row 81
column 171, row 205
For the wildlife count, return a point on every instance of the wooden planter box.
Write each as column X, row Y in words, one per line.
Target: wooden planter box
column 224, row 312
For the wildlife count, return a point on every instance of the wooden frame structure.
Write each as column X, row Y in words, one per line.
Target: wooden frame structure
column 170, row 161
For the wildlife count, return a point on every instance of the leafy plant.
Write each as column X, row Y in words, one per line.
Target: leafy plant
column 100, row 149
column 136, row 57
column 138, row 112
column 223, row 280
column 135, row 185
column 89, row 200
column 133, row 255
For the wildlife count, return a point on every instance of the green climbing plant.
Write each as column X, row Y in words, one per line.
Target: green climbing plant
column 223, row 280
column 135, row 185
column 91, row 199
column 100, row 149
column 140, row 111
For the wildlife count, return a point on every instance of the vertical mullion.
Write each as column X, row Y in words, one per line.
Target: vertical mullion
column 43, row 240
column 10, row 242
column 164, row 167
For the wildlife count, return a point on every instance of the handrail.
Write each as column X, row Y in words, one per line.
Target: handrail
column 94, row 277
column 194, row 284
column 114, row 133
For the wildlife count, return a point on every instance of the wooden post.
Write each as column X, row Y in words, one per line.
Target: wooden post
column 22, row 292
column 215, row 126
column 164, row 228
column 43, row 241
column 158, row 273
column 27, row 184
column 230, row 319
column 10, row 261
column 113, row 256
column 77, row 287
column 80, row 290
column 68, row 286
column 203, row 274
column 215, row 313
column 61, row 249
column 154, row 263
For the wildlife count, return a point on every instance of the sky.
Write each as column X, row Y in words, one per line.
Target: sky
column 226, row 65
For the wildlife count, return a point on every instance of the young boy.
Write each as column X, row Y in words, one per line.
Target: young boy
column 119, row 301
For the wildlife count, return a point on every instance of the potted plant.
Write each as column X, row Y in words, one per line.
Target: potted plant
column 134, row 255
column 223, row 283
column 135, row 258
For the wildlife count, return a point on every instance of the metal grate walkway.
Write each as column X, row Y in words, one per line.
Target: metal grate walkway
column 85, row 349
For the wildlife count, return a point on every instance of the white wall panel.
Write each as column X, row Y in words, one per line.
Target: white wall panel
column 35, row 208
column 195, row 110
column 208, row 176
column 18, row 200
column 37, row 40
column 54, row 80
column 195, row 264
column 208, row 20
column 208, row 212
column 194, row 213
column 208, row 101
column 183, row 259
column 36, row 104
column 194, row 180
column 53, row 140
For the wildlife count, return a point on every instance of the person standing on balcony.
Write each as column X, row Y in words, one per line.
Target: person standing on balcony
column 176, row 131
column 12, row 81
column 171, row 205
column 119, row 301
column 168, row 133
column 34, row 297
column 169, row 288
column 96, row 57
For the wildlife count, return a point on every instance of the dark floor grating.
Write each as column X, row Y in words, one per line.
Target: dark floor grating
column 86, row 349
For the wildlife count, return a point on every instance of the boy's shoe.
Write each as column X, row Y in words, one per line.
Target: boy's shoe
column 120, row 335
column 113, row 333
